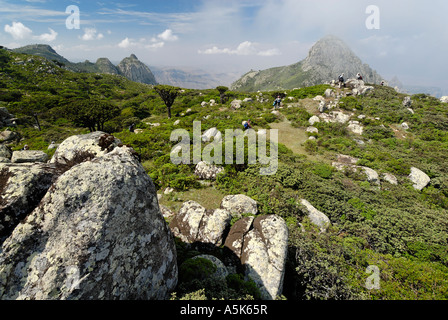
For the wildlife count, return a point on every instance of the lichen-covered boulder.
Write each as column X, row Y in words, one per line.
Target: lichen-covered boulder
column 316, row 217
column 239, row 204
column 419, row 179
column 264, row 254
column 5, row 152
column 77, row 149
column 31, row 156
column 97, row 234
column 207, row 171
column 22, row 186
column 194, row 223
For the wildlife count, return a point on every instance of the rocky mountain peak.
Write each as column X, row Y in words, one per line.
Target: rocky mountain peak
column 135, row 70
column 331, row 56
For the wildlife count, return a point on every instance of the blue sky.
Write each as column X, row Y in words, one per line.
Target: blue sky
column 238, row 35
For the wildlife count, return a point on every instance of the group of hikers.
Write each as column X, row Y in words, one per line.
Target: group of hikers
column 342, row 80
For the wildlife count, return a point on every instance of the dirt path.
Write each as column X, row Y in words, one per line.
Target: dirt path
column 293, row 138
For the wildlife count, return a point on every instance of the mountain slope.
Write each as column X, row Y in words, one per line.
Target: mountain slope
column 328, row 58
column 130, row 67
column 135, row 70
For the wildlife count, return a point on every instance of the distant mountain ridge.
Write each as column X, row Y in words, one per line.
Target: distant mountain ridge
column 327, row 59
column 135, row 70
column 131, row 68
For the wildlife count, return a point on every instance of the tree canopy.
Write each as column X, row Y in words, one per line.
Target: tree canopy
column 168, row 95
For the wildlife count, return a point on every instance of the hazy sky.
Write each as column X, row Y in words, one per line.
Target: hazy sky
column 410, row 38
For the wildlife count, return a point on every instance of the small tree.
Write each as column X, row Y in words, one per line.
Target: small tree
column 222, row 90
column 92, row 113
column 168, row 95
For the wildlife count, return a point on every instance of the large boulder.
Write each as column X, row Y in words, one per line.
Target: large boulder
column 419, row 179
column 264, row 254
column 239, row 204
column 32, row 156
column 97, row 234
column 77, row 149
column 195, row 224
column 22, row 186
column 207, row 171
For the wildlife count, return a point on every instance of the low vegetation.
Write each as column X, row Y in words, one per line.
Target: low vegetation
column 402, row 231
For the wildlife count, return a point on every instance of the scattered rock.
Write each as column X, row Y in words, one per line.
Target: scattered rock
column 239, row 204
column 329, row 93
column 444, row 99
column 390, row 178
column 318, row 218
column 322, row 106
column 407, row 102
column 206, row 171
column 212, row 133
column 419, row 178
column 29, row 156
column 312, row 130
column 9, row 136
column 166, row 212
column 405, row 126
column 313, row 120
column 356, row 127
column 5, row 152
column 236, row 104
column 347, row 159
column 6, row 119
column 335, row 117
column 372, row 175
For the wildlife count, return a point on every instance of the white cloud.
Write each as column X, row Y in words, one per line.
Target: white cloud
column 126, row 43
column 245, row 48
column 270, row 53
column 91, row 34
column 168, row 35
column 18, row 31
column 47, row 37
column 21, row 32
column 156, row 45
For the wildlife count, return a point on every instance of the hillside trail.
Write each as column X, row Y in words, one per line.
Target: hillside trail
column 294, row 138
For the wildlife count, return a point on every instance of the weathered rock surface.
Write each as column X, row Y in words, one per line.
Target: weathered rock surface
column 212, row 133
column 239, row 204
column 77, row 149
column 97, row 234
column 206, row 171
column 5, row 154
column 29, row 156
column 194, row 223
column 264, row 254
column 419, row 178
column 22, row 186
column 318, row 218
column 8, row 136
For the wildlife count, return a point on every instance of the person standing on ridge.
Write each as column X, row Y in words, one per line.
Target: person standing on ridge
column 277, row 102
column 341, row 81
